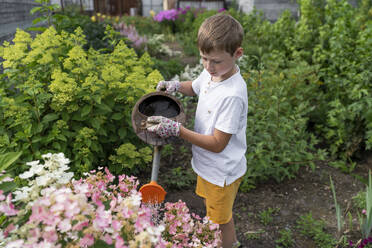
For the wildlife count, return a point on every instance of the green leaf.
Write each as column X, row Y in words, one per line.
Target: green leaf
column 101, row 244
column 36, row 139
column 104, row 107
column 86, row 110
column 122, row 133
column 37, row 20
column 33, row 10
column 96, row 124
column 65, row 116
column 68, row 133
column 37, row 29
column 25, row 146
column 57, row 146
column 102, row 131
column 8, row 159
column 62, row 137
column 38, row 128
column 97, row 99
column 8, row 186
column 54, row 7
column 77, row 116
column 50, row 117
column 117, row 116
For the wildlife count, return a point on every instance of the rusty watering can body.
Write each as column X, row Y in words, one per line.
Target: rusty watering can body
column 152, row 104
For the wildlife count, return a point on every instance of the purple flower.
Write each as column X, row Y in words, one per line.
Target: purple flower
column 131, row 33
column 364, row 242
column 170, row 15
column 221, row 10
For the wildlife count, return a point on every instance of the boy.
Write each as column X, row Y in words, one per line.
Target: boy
column 219, row 139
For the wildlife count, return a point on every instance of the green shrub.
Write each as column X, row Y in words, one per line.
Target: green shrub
column 277, row 138
column 57, row 97
column 94, row 32
column 344, row 57
column 334, row 38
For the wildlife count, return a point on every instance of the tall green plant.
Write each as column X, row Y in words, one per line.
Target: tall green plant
column 7, row 163
column 46, row 14
column 340, row 220
column 366, row 221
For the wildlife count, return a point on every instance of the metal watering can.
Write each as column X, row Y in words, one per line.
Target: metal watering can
column 153, row 104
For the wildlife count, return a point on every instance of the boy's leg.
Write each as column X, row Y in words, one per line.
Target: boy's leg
column 228, row 234
column 219, row 202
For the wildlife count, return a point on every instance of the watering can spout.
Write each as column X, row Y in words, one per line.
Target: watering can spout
column 152, row 193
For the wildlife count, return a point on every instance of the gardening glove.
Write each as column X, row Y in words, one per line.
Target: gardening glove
column 163, row 126
column 168, row 86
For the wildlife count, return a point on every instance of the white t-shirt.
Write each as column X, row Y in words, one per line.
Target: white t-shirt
column 224, row 106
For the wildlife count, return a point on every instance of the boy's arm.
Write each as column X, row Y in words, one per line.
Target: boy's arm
column 214, row 143
column 166, row 127
column 186, row 88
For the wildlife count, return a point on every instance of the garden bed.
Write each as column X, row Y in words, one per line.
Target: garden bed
column 261, row 214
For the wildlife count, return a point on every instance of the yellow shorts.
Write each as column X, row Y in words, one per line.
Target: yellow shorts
column 219, row 200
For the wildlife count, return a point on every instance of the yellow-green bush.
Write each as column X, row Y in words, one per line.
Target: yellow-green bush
column 57, row 97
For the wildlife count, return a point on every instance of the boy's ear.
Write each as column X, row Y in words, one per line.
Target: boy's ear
column 239, row 52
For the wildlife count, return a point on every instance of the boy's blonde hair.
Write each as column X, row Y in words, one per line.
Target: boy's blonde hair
column 220, row 32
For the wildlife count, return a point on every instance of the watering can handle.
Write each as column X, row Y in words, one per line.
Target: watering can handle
column 155, row 163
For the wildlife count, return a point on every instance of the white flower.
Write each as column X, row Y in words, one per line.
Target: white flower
column 37, row 169
column 46, row 156
column 21, row 194
column 136, row 199
column 27, row 174
column 48, row 191
column 34, row 193
column 133, row 201
column 33, row 163
column 54, row 175
column 61, row 159
column 155, row 233
column 46, row 244
column 64, row 168
column 15, row 244
column 42, row 180
column 65, row 178
column 64, row 225
column 189, row 73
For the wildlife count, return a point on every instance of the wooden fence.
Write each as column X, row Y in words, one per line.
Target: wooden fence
column 116, row 7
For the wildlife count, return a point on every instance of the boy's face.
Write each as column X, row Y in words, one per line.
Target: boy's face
column 220, row 64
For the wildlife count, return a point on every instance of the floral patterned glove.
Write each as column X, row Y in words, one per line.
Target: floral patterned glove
column 163, row 126
column 168, row 86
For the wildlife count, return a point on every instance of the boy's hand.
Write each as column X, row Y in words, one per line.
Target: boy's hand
column 164, row 127
column 168, row 86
